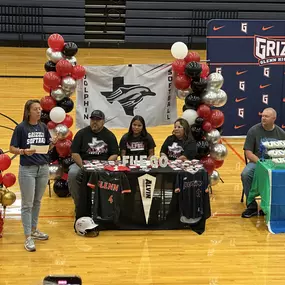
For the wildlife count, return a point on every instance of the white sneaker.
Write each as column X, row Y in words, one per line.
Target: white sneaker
column 30, row 244
column 39, row 235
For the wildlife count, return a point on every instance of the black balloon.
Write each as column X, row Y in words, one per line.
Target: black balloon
column 193, row 69
column 45, row 117
column 66, row 162
column 197, row 132
column 60, row 188
column 203, row 149
column 50, row 66
column 53, row 155
column 66, row 104
column 192, row 100
column 70, row 49
column 199, row 85
column 199, row 121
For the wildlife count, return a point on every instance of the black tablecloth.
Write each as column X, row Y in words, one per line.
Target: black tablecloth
column 164, row 211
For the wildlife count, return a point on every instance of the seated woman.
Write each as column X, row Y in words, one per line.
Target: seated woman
column 137, row 141
column 180, row 145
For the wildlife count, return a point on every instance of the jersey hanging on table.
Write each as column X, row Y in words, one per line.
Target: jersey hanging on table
column 107, row 188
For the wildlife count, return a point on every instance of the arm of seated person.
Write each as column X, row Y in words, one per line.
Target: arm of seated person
column 251, row 156
column 113, row 157
column 150, row 153
column 182, row 157
column 77, row 159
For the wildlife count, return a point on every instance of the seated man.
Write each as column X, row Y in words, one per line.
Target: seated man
column 264, row 131
column 94, row 142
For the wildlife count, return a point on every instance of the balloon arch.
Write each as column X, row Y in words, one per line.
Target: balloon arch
column 202, row 94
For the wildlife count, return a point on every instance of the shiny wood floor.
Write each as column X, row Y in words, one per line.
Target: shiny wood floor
column 231, row 251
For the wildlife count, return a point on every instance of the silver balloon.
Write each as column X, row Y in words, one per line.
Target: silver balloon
column 58, row 94
column 210, row 97
column 55, row 171
column 68, row 84
column 213, row 136
column 61, row 131
column 72, row 60
column 218, row 151
column 215, row 80
column 182, row 94
column 222, row 98
column 214, row 178
column 54, row 56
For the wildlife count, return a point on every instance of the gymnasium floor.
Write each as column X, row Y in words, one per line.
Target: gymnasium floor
column 231, row 251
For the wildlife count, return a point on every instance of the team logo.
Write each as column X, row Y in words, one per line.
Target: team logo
column 265, row 99
column 175, row 150
column 244, row 27
column 241, row 112
column 219, row 70
column 266, row 71
column 128, row 96
column 269, row 51
column 97, row 147
column 242, row 85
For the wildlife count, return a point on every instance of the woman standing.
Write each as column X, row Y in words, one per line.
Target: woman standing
column 33, row 170
column 180, row 145
column 137, row 141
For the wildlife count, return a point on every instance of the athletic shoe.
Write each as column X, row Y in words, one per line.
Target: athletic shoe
column 30, row 244
column 39, row 235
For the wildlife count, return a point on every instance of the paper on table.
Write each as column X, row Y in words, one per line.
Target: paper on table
column 41, row 149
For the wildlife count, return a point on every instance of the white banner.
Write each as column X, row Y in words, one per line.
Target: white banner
column 147, row 184
column 123, row 91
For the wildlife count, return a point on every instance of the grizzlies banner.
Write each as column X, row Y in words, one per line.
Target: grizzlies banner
column 124, row 91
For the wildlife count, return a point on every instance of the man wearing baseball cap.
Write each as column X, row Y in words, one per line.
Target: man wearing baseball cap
column 94, row 142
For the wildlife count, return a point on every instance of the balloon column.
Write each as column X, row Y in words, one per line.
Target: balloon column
column 7, row 180
column 202, row 94
column 59, row 81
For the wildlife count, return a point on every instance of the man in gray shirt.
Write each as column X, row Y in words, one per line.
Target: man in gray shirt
column 264, row 131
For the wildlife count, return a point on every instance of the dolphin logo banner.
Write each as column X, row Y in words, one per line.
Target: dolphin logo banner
column 124, row 91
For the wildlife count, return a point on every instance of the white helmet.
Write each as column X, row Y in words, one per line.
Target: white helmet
column 85, row 226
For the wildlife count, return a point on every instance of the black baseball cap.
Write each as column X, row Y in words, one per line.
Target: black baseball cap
column 97, row 114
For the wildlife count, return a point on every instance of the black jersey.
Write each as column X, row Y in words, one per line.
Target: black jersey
column 107, row 188
column 192, row 187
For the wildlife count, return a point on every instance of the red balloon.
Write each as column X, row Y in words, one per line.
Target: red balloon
column 70, row 135
column 208, row 163
column 207, row 126
column 46, row 88
column 192, row 56
column 64, row 176
column 182, row 82
column 9, row 179
column 78, row 72
column 5, row 162
column 52, row 80
column 217, row 118
column 1, row 178
column 68, row 121
column 63, row 67
column 205, row 70
column 56, row 42
column 47, row 103
column 204, row 111
column 178, row 66
column 51, row 125
column 63, row 148
column 218, row 163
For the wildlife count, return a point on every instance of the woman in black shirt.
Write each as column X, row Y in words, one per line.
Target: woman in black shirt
column 180, row 145
column 137, row 141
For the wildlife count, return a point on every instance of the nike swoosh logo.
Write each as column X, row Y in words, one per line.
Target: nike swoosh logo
column 238, row 127
column 283, row 127
column 217, row 28
column 264, row 86
column 241, row 72
column 240, row 99
column 267, row 28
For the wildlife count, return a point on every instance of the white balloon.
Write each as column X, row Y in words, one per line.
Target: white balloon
column 179, row 50
column 190, row 116
column 57, row 114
